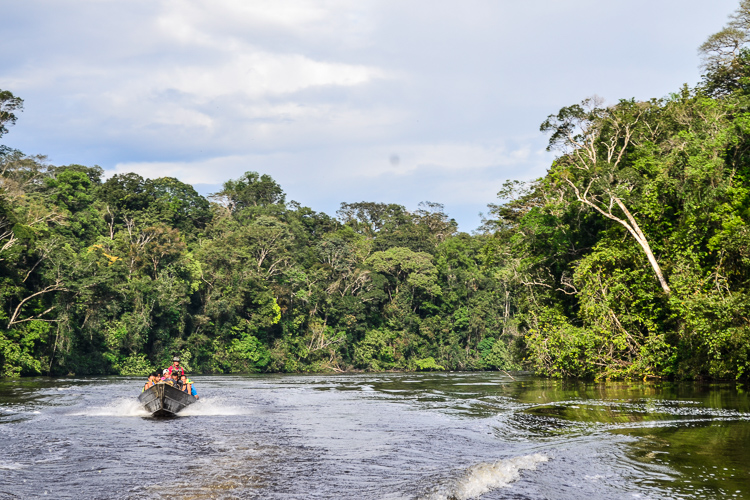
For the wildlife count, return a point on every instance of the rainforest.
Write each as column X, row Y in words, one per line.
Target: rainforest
column 630, row 258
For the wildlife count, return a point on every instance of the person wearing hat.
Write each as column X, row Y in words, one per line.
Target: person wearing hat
column 188, row 386
column 176, row 367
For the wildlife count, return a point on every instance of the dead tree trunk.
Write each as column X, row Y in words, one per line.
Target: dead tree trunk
column 631, row 225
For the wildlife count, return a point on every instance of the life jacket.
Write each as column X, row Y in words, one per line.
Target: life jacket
column 179, row 369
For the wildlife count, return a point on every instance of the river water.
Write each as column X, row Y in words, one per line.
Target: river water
column 376, row 436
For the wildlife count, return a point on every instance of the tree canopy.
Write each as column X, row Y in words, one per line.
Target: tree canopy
column 629, row 258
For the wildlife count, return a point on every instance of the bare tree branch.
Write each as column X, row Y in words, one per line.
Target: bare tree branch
column 51, row 288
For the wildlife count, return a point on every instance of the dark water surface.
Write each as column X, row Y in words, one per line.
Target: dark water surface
column 377, row 436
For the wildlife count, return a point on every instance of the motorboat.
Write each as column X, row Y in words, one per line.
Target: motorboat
column 165, row 400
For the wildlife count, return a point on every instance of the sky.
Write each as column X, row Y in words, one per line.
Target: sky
column 339, row 101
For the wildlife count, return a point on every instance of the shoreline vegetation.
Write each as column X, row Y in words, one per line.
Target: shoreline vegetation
column 630, row 258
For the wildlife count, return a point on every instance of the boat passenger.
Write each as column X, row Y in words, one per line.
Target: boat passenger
column 176, row 383
column 176, row 366
column 192, row 392
column 187, row 386
column 150, row 382
column 167, row 378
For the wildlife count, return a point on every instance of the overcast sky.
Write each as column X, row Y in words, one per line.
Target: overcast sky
column 393, row 101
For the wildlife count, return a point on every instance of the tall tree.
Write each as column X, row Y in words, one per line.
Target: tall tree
column 250, row 190
column 725, row 55
column 595, row 142
column 9, row 104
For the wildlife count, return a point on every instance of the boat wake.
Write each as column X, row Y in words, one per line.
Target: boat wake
column 485, row 477
column 11, row 466
column 124, row 407
column 212, row 407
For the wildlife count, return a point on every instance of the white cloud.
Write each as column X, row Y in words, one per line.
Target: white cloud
column 226, row 22
column 339, row 100
column 256, row 73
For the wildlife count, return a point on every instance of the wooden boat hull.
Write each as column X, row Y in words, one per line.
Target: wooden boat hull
column 163, row 400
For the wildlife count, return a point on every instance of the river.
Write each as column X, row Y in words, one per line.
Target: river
column 377, row 436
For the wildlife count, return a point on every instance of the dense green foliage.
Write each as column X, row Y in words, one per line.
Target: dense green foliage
column 635, row 245
column 117, row 276
column 634, row 249
column 630, row 258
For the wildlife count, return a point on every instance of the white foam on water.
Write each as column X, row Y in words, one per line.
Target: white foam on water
column 11, row 466
column 482, row 478
column 124, row 407
column 212, row 407
column 127, row 407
